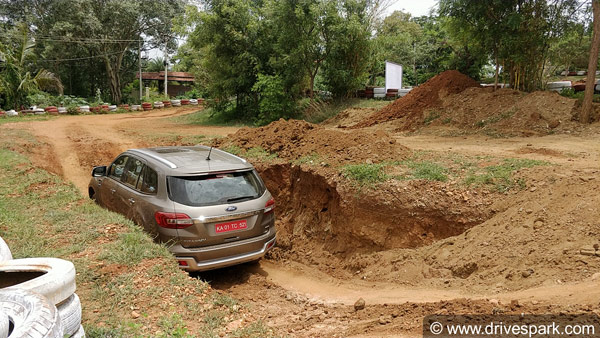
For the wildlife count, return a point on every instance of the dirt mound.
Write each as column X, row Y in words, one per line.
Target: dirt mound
column 505, row 111
column 427, row 95
column 295, row 139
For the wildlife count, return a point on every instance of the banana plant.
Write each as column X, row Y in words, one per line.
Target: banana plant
column 17, row 77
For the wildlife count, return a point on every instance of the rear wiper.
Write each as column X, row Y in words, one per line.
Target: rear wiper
column 238, row 198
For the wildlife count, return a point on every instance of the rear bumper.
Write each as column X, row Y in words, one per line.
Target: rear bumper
column 194, row 261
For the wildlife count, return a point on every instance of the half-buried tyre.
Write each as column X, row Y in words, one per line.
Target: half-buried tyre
column 30, row 314
column 52, row 278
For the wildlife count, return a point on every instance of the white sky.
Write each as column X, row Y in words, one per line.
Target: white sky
column 414, row 7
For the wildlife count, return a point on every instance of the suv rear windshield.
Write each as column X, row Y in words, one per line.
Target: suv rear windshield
column 215, row 188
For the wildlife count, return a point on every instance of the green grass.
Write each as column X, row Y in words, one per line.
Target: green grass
column 426, row 170
column 260, row 154
column 317, row 112
column 365, row 174
column 312, row 159
column 26, row 118
column 432, row 116
column 499, row 177
column 208, row 117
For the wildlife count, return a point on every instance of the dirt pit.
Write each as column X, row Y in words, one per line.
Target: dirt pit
column 298, row 140
column 318, row 207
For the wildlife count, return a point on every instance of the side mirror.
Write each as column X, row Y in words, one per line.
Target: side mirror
column 99, row 171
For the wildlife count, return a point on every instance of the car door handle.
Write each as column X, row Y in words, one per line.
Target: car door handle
column 112, row 191
column 131, row 201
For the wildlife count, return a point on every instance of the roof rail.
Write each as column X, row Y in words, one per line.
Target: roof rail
column 154, row 156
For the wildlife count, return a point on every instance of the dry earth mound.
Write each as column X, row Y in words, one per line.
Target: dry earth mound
column 295, row 139
column 428, row 95
column 505, row 110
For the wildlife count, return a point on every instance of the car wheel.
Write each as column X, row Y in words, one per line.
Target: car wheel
column 70, row 314
column 31, row 314
column 57, row 281
column 5, row 254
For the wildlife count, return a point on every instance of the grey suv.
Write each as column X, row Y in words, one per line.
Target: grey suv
column 209, row 206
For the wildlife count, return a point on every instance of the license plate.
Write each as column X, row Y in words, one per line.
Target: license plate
column 231, row 226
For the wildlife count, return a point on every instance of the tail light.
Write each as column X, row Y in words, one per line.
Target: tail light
column 173, row 220
column 270, row 206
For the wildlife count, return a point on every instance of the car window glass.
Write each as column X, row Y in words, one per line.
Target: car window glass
column 118, row 167
column 150, row 181
column 132, row 171
column 215, row 189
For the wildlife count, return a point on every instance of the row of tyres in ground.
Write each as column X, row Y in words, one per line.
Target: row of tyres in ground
column 37, row 297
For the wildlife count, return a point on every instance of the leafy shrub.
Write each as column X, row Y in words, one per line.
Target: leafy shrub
column 274, row 101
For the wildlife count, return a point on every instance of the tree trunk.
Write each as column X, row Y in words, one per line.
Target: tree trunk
column 497, row 70
column 114, row 77
column 586, row 109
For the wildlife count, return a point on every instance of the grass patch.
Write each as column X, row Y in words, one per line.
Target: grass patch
column 426, row 170
column 259, row 153
column 26, row 118
column 313, row 158
column 233, row 149
column 432, row 116
column 499, row 177
column 365, row 174
column 319, row 111
column 208, row 117
column 497, row 118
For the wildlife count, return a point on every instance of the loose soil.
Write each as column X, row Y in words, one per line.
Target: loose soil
column 409, row 248
column 295, row 140
column 410, row 107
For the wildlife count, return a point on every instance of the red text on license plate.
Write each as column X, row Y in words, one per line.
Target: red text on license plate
column 231, row 226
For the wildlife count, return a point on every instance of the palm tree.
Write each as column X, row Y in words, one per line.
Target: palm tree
column 16, row 78
column 156, row 64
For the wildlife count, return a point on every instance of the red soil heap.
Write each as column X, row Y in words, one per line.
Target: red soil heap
column 427, row 95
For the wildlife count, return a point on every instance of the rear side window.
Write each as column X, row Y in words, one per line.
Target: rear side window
column 148, row 182
column 215, row 188
column 132, row 171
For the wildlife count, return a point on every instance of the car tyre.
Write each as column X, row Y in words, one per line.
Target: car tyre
column 57, row 283
column 70, row 314
column 31, row 314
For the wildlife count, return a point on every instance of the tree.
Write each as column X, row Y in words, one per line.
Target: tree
column 592, row 66
column 108, row 31
column 18, row 75
column 517, row 33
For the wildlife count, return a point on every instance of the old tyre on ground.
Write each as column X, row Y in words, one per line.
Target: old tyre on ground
column 4, row 325
column 30, row 314
column 5, row 253
column 80, row 333
column 70, row 314
column 53, row 278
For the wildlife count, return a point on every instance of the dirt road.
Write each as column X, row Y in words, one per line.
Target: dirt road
column 299, row 299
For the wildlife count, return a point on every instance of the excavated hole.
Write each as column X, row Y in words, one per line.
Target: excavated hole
column 313, row 210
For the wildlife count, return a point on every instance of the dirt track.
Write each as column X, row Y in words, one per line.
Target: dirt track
column 304, row 300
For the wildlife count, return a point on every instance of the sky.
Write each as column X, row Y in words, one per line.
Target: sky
column 414, row 7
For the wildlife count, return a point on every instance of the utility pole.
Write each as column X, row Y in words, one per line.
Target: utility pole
column 140, row 65
column 166, row 70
